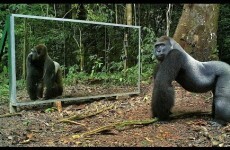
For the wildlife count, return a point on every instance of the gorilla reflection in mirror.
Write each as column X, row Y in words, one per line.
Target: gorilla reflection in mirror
column 42, row 72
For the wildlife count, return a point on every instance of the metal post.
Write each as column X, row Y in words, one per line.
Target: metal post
column 11, row 64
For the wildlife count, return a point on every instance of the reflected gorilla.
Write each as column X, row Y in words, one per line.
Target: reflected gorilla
column 42, row 72
column 192, row 75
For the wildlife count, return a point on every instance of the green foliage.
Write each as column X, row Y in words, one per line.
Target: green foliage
column 4, row 85
column 99, row 12
column 128, row 77
column 50, row 110
column 223, row 33
column 71, row 75
column 145, row 143
column 148, row 60
column 1, row 31
column 21, row 84
column 26, row 122
column 97, row 63
column 116, row 66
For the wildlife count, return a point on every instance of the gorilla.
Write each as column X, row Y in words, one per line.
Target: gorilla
column 42, row 72
column 192, row 75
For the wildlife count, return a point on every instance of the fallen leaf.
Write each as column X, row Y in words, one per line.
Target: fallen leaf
column 29, row 135
column 25, row 141
column 149, row 140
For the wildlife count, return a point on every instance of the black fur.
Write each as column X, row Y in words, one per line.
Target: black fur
column 192, row 75
column 41, row 72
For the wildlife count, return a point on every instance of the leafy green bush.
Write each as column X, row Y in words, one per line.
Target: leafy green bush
column 21, row 84
column 97, row 63
column 71, row 75
column 147, row 59
column 4, row 85
column 116, row 75
column 223, row 33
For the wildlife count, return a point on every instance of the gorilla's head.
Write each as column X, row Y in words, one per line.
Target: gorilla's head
column 162, row 47
column 38, row 53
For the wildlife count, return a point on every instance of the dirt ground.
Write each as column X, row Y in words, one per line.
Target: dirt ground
column 36, row 126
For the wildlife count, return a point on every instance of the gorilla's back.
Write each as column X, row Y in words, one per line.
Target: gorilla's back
column 205, row 71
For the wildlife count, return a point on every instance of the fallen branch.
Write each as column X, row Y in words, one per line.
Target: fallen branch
column 79, row 117
column 117, row 125
column 9, row 115
column 135, row 122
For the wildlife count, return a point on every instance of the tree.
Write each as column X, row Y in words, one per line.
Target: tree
column 168, row 18
column 25, row 48
column 129, row 22
column 196, row 31
column 129, row 14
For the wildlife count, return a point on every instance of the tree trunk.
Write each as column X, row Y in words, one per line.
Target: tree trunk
column 129, row 22
column 63, row 11
column 82, row 52
column 129, row 14
column 196, row 30
column 168, row 18
column 74, row 11
column 135, row 14
column 116, row 14
column 24, row 50
column 81, row 49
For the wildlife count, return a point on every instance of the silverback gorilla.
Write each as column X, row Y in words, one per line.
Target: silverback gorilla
column 192, row 75
column 42, row 72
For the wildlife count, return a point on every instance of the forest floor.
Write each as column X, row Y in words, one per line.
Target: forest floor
column 38, row 127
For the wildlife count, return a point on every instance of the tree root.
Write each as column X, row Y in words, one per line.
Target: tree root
column 9, row 115
column 117, row 126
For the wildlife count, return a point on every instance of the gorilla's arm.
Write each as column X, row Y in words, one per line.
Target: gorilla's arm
column 156, row 68
column 163, row 92
column 31, row 84
column 49, row 79
column 33, row 77
column 53, row 79
column 170, row 67
column 58, row 78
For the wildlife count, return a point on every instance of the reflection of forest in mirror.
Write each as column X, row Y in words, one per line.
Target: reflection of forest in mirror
column 95, row 59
